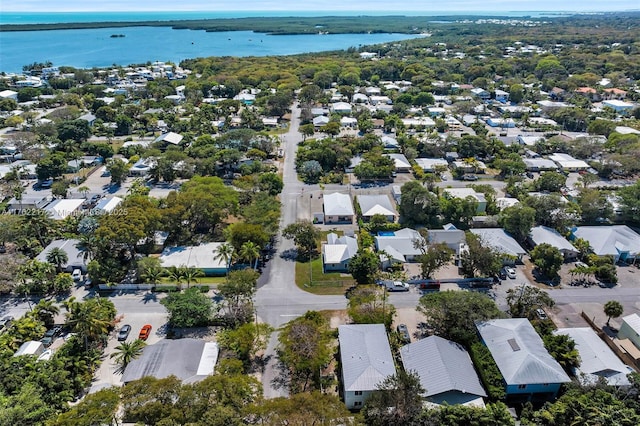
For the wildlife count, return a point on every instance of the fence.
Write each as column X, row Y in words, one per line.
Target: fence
column 336, row 283
column 625, row 357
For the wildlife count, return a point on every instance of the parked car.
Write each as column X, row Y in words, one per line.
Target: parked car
column 124, row 332
column 76, row 275
column 502, row 274
column 53, row 331
column 403, row 331
column 542, row 315
column 470, row 177
column 397, row 286
column 145, row 332
column 88, row 284
column 511, row 272
column 6, row 322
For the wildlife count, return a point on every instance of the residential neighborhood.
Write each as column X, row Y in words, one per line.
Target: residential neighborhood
column 354, row 235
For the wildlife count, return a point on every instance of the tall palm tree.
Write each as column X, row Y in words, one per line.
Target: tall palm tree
column 84, row 190
column 191, row 275
column 57, row 257
column 224, row 252
column 82, row 320
column 127, row 352
column 46, row 310
column 250, row 251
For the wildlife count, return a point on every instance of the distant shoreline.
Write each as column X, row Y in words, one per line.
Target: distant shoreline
column 280, row 25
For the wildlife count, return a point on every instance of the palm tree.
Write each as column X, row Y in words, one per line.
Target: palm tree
column 250, row 251
column 191, row 275
column 57, row 257
column 224, row 252
column 46, row 310
column 176, row 274
column 127, row 352
column 152, row 274
column 88, row 246
column 82, row 320
column 84, row 190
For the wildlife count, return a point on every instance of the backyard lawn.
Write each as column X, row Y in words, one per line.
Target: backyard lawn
column 329, row 283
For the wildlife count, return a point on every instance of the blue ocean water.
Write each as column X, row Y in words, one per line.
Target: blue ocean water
column 66, row 17
column 96, row 48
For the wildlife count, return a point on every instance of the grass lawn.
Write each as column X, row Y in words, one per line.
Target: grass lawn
column 329, row 283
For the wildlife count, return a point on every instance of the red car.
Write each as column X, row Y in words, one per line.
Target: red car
column 145, row 332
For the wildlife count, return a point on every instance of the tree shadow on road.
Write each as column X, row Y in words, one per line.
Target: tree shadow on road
column 283, row 378
column 149, row 297
column 290, row 254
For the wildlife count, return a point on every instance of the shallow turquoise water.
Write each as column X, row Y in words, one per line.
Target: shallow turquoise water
column 95, row 48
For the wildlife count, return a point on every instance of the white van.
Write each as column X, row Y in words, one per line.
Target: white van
column 76, row 275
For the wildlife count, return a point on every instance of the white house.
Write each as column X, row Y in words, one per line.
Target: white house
column 341, row 108
column 371, row 205
column 366, row 361
column 169, row 138
column 337, row 252
column 430, row 165
column 320, row 121
column 418, row 122
column 401, row 163
column 389, row 142
column 445, row 371
column 539, row 164
column 9, row 94
column 568, row 163
column 349, row 122
column 597, row 360
column 479, row 92
column 529, row 372
column 62, row 208
column 107, row 205
column 337, row 208
column 621, row 107
column 630, row 329
column 203, row 257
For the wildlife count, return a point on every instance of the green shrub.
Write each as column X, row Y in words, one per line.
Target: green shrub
column 204, row 288
column 165, row 289
column 488, row 370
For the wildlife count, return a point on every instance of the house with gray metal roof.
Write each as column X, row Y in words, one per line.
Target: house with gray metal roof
column 528, row 371
column 500, row 241
column 75, row 258
column 402, row 246
column 445, row 371
column 190, row 360
column 337, row 208
column 371, row 205
column 366, row 361
column 619, row 241
column 545, row 235
column 597, row 360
